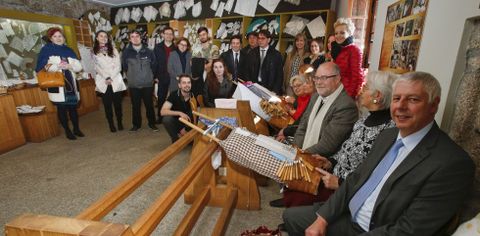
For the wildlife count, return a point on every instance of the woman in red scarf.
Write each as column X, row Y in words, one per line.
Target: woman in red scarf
column 348, row 56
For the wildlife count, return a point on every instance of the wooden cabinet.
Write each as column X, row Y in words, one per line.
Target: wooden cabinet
column 37, row 127
column 40, row 127
column 11, row 134
column 88, row 97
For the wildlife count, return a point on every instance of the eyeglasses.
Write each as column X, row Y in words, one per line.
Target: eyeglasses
column 183, row 44
column 296, row 85
column 323, row 77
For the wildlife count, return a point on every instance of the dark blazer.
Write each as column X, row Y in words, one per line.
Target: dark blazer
column 161, row 55
column 421, row 195
column 272, row 69
column 228, row 58
column 336, row 126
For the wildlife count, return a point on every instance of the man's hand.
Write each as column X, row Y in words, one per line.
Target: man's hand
column 184, row 116
column 182, row 132
column 330, row 181
column 324, row 162
column 318, row 228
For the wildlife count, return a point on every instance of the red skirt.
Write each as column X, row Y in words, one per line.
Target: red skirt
column 293, row 198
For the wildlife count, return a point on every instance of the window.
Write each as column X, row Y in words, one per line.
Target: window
column 363, row 16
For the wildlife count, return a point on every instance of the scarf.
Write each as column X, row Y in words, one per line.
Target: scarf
column 183, row 59
column 315, row 120
column 337, row 48
column 103, row 50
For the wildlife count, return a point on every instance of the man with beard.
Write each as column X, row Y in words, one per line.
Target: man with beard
column 162, row 52
column 202, row 54
column 176, row 106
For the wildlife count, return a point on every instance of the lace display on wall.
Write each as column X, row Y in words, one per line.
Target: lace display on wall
column 20, row 43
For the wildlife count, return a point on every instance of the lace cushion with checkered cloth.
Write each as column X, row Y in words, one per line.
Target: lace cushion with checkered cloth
column 242, row 150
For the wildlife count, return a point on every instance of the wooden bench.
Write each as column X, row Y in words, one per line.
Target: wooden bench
column 198, row 181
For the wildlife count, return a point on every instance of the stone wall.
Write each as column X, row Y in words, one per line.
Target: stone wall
column 465, row 128
column 64, row 8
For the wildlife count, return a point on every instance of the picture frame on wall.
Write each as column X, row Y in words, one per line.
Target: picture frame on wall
column 402, row 35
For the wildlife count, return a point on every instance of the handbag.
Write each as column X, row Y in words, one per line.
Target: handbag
column 50, row 79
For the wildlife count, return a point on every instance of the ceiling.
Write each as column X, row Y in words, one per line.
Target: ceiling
column 117, row 3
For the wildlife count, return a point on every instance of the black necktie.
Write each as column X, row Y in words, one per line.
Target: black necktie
column 262, row 57
column 235, row 66
column 319, row 107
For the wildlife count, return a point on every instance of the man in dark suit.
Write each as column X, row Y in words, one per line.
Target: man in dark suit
column 265, row 64
column 234, row 58
column 162, row 52
column 252, row 38
column 413, row 181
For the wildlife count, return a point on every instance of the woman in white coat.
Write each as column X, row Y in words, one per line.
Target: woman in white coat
column 108, row 78
column 55, row 56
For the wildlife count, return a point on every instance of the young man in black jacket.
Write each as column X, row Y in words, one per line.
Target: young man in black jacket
column 139, row 63
column 265, row 64
column 234, row 58
column 162, row 53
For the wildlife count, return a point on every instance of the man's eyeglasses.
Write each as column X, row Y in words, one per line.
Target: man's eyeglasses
column 323, row 77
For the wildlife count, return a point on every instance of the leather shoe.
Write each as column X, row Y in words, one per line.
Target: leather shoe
column 277, row 203
column 134, row 129
column 153, row 127
column 78, row 133
column 70, row 135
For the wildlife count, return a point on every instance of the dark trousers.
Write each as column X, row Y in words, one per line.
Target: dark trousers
column 137, row 95
column 173, row 126
column 298, row 219
column 162, row 97
column 62, row 111
column 110, row 98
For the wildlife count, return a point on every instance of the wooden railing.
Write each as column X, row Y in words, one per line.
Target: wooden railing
column 197, row 181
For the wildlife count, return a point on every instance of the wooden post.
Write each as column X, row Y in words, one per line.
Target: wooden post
column 236, row 176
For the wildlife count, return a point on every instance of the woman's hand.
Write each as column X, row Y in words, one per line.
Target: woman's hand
column 324, row 162
column 330, row 181
column 289, row 99
column 64, row 66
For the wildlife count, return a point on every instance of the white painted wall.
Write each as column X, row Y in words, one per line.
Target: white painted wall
column 442, row 33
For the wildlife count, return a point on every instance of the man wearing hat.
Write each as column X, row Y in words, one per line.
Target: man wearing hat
column 252, row 38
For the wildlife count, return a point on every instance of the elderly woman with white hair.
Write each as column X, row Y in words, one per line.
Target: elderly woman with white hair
column 375, row 96
column 347, row 56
